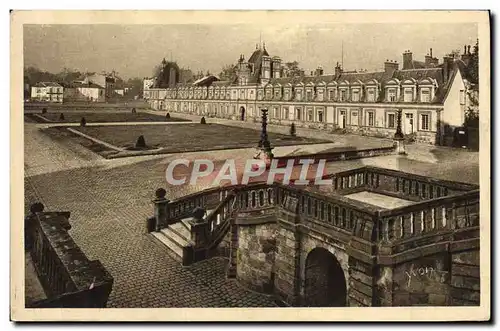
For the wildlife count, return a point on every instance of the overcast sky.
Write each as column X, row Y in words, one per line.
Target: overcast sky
column 133, row 50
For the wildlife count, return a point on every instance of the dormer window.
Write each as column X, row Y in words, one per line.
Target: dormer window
column 355, row 95
column 391, row 94
column 276, row 94
column 408, row 94
column 371, row 95
column 299, row 95
column 259, row 94
column 309, row 95
column 287, row 94
column 343, row 95
column 331, row 95
column 425, row 95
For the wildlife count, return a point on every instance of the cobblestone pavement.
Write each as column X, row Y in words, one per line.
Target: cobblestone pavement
column 109, row 201
column 109, row 204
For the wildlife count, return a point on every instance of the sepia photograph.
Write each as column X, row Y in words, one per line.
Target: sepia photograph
column 279, row 161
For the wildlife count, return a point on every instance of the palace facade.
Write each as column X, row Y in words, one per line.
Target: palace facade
column 431, row 96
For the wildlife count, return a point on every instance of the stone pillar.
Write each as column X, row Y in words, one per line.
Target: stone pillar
column 160, row 210
column 199, row 229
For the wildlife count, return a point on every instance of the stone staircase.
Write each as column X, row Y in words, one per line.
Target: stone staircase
column 175, row 237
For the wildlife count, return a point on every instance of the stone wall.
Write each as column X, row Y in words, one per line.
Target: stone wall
column 465, row 278
column 256, row 256
column 424, row 281
column 286, row 264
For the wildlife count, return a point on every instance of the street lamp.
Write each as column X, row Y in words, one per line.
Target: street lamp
column 399, row 136
column 265, row 150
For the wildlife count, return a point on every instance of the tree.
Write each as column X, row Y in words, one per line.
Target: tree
column 141, row 142
column 292, row 130
column 455, row 53
column 292, row 69
column 473, row 67
column 228, row 73
column 186, row 76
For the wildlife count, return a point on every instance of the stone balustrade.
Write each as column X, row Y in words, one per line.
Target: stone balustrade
column 396, row 183
column 68, row 278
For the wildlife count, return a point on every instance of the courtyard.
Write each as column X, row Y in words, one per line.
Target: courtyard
column 110, row 199
column 99, row 117
column 165, row 139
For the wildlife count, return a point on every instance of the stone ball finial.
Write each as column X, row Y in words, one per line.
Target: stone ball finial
column 37, row 207
column 160, row 193
column 198, row 213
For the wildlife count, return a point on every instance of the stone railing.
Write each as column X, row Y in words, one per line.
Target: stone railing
column 396, row 183
column 68, row 278
column 453, row 207
column 452, row 212
column 339, row 155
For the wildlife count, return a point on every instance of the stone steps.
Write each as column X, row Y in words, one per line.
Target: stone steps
column 176, row 236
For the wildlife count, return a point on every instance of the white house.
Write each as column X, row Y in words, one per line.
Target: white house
column 47, row 92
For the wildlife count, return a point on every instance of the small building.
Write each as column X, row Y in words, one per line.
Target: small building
column 84, row 91
column 47, row 92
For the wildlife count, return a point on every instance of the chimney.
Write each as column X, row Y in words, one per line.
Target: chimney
column 312, row 73
column 407, row 60
column 429, row 59
column 390, row 67
column 319, row 71
column 447, row 65
column 465, row 50
column 468, row 50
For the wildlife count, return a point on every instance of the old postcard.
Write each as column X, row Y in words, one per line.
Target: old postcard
column 250, row 165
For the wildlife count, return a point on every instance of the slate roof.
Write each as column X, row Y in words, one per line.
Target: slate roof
column 83, row 85
column 47, row 84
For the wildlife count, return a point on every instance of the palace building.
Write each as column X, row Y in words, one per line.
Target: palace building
column 431, row 96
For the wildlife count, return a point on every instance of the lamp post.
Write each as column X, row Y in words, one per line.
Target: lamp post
column 264, row 146
column 399, row 136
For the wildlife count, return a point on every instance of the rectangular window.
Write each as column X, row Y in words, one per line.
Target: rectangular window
column 371, row 95
column 298, row 112
column 308, row 95
column 426, row 95
column 408, row 96
column 287, row 95
column 354, row 118
column 277, row 94
column 299, row 95
column 330, row 95
column 355, row 95
column 275, row 112
column 370, row 118
column 424, row 122
column 285, row 113
column 343, row 95
column 391, row 94
column 320, row 116
column 462, row 97
column 391, row 121
column 310, row 115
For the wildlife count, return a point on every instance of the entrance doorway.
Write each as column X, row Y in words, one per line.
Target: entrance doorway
column 325, row 283
column 342, row 119
column 408, row 124
column 242, row 113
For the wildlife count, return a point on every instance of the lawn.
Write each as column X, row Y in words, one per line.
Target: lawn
column 104, row 117
column 188, row 137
